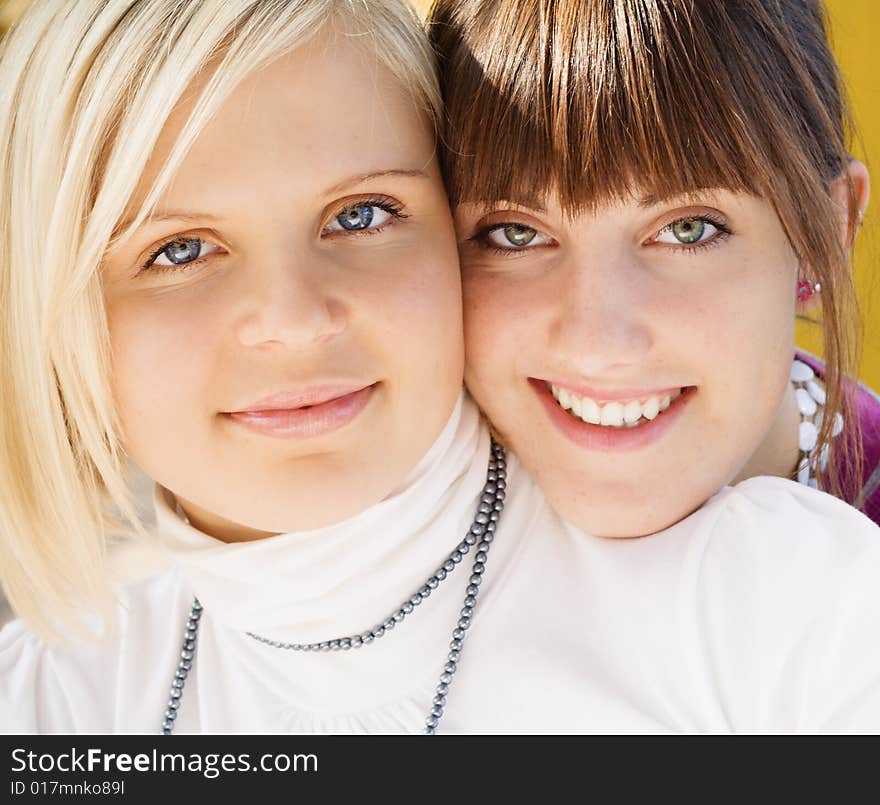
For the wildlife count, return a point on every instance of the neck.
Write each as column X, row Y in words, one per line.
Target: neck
column 218, row 527
column 778, row 453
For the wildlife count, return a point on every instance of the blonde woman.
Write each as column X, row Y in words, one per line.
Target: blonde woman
column 226, row 254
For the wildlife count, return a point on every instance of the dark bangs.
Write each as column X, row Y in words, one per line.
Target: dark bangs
column 597, row 99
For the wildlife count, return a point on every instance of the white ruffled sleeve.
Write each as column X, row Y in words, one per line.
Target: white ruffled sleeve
column 799, row 649
column 34, row 695
column 90, row 686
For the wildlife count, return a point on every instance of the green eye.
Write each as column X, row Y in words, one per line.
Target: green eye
column 690, row 230
column 519, row 235
column 697, row 230
column 514, row 236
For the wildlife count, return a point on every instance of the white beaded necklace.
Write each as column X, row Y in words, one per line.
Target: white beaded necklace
column 811, row 405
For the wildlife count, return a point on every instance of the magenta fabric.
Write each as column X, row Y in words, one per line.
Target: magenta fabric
column 869, row 421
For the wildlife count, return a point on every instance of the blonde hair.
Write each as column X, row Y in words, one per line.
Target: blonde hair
column 85, row 89
column 595, row 99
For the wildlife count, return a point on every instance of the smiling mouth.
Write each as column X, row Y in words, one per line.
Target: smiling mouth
column 303, row 417
column 619, row 414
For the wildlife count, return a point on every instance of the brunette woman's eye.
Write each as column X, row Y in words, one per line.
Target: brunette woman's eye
column 690, row 231
column 512, row 237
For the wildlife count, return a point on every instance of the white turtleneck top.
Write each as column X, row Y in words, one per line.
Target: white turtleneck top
column 758, row 613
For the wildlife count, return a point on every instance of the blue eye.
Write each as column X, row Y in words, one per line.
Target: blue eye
column 364, row 215
column 358, row 217
column 180, row 252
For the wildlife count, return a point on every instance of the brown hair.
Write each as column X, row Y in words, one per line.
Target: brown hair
column 596, row 99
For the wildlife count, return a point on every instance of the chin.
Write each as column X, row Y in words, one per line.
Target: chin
column 245, row 522
column 622, row 520
column 271, row 504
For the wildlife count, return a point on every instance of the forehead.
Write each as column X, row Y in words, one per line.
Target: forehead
column 323, row 112
column 549, row 201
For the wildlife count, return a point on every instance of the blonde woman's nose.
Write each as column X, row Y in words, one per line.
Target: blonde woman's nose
column 290, row 303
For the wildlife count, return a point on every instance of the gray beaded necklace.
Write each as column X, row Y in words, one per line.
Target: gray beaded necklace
column 481, row 534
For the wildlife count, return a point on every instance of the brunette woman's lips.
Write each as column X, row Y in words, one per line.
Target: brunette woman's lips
column 304, row 414
column 608, row 438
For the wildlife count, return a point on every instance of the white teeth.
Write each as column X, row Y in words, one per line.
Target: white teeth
column 590, row 411
column 651, row 409
column 613, row 414
column 632, row 412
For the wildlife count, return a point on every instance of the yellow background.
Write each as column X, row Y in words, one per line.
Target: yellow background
column 855, row 25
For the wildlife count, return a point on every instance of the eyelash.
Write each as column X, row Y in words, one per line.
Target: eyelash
column 390, row 205
column 724, row 232
column 150, row 266
column 481, row 239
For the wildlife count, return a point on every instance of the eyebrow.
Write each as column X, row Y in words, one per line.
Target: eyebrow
column 187, row 216
column 359, row 178
column 531, row 204
column 653, row 199
column 534, row 204
column 192, row 216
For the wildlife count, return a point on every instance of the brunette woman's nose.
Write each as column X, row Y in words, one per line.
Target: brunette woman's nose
column 602, row 319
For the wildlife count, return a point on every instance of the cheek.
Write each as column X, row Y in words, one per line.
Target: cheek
column 433, row 301
column 404, row 308
column 157, row 348
column 755, row 319
column 739, row 338
column 508, row 318
column 425, row 340
column 491, row 314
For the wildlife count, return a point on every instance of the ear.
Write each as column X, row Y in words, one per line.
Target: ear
column 850, row 192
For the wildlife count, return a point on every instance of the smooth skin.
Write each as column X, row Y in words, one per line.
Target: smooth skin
column 617, row 303
column 277, row 296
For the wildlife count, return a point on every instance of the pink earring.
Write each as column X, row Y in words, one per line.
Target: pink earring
column 805, row 290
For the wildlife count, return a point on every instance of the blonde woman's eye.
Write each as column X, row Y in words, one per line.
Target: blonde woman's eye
column 514, row 236
column 358, row 217
column 181, row 251
column 688, row 231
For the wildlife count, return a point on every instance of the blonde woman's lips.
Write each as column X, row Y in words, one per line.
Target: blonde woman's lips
column 279, row 419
